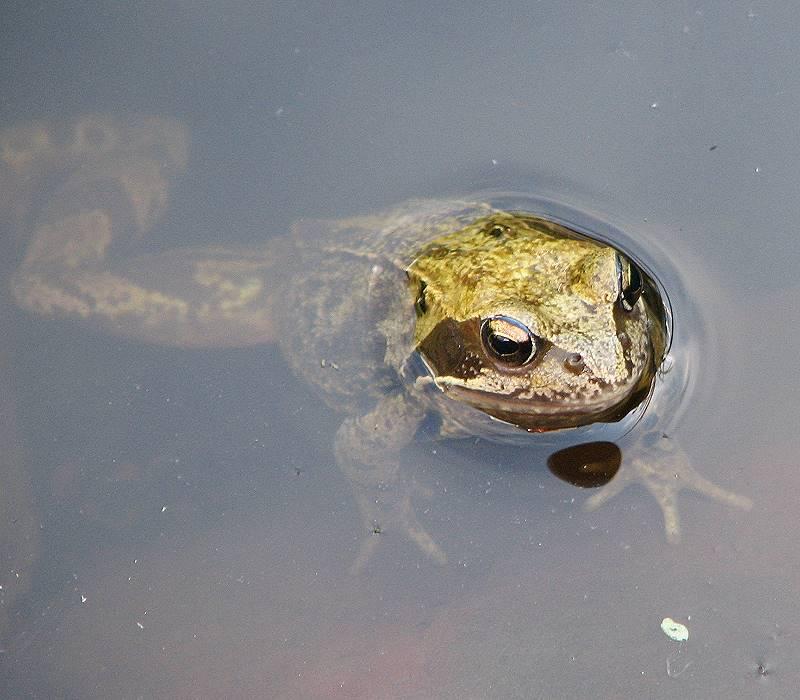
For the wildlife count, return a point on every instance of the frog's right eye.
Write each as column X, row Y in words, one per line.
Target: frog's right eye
column 420, row 304
column 630, row 283
column 508, row 340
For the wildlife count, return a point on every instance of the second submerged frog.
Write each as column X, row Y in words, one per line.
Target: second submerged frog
column 485, row 321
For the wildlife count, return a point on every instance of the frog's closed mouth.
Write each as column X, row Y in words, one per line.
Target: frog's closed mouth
column 539, row 416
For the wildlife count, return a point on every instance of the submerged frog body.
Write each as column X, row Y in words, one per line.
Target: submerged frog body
column 497, row 323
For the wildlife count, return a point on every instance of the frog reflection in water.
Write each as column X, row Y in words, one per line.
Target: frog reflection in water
column 497, row 323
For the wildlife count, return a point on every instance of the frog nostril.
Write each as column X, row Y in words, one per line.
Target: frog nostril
column 574, row 362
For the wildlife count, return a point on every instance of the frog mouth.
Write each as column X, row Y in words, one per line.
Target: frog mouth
column 534, row 413
column 544, row 414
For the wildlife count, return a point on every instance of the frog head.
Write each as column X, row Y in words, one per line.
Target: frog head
column 533, row 323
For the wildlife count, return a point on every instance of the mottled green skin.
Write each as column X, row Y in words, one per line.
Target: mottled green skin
column 348, row 322
column 343, row 301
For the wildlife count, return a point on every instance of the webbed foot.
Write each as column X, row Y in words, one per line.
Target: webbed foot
column 665, row 471
column 381, row 518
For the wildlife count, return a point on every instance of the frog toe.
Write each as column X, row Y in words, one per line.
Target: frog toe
column 401, row 518
column 605, row 494
column 693, row 481
column 417, row 534
column 665, row 487
column 665, row 475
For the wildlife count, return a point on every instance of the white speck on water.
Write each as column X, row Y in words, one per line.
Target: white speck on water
column 676, row 631
column 620, row 50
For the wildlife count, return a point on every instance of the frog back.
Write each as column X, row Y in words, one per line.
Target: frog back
column 396, row 234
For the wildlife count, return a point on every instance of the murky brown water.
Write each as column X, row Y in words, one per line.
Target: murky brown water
column 192, row 534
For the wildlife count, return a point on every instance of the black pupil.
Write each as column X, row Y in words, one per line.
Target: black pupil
column 633, row 291
column 503, row 345
column 632, row 287
column 508, row 340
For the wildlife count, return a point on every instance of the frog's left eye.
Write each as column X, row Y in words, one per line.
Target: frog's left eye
column 508, row 340
column 498, row 230
column 630, row 282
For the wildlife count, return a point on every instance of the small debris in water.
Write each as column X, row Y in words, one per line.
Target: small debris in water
column 674, row 630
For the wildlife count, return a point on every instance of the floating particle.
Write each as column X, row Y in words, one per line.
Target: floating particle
column 674, row 630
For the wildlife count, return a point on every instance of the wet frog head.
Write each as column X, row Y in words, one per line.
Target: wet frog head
column 534, row 324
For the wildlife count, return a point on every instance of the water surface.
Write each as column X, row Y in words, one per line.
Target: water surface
column 194, row 533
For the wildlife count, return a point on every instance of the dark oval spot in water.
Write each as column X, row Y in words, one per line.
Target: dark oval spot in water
column 589, row 465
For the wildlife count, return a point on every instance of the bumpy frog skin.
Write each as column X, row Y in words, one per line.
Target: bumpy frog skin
column 520, row 318
column 498, row 323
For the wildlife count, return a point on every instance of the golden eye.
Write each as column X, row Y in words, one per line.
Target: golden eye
column 420, row 304
column 508, row 340
column 497, row 230
column 630, row 282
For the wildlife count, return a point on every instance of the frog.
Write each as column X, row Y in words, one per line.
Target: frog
column 435, row 319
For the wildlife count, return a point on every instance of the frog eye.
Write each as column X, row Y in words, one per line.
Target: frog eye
column 630, row 283
column 497, row 230
column 508, row 340
column 420, row 304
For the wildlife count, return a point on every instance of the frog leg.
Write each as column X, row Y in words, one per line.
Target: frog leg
column 665, row 471
column 82, row 261
column 367, row 451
